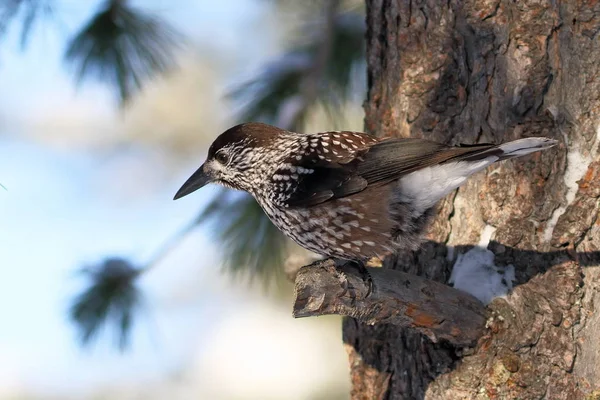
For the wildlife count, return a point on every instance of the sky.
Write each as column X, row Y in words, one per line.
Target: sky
column 70, row 203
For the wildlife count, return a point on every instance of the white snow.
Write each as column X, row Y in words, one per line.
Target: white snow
column 577, row 165
column 476, row 273
column 486, row 236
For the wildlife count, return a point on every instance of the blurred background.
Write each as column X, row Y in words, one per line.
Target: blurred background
column 108, row 288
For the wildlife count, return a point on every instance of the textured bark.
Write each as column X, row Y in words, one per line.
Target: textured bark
column 476, row 71
column 385, row 296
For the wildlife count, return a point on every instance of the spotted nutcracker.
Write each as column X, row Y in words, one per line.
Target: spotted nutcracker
column 346, row 195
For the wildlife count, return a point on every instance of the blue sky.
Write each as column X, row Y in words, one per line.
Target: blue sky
column 56, row 217
column 53, row 224
column 197, row 332
column 70, row 203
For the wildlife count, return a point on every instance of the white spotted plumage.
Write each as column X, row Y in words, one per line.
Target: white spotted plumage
column 352, row 218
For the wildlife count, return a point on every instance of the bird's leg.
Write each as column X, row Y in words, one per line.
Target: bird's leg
column 365, row 275
column 363, row 272
column 335, row 267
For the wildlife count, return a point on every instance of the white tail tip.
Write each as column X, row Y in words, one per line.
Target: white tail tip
column 521, row 147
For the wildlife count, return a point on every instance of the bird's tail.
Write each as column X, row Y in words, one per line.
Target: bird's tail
column 520, row 147
column 516, row 148
column 428, row 185
column 413, row 202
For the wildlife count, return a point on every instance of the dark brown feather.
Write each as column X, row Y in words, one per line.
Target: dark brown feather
column 375, row 164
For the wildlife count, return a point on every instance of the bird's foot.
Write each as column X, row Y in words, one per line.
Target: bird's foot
column 366, row 277
column 363, row 272
column 336, row 268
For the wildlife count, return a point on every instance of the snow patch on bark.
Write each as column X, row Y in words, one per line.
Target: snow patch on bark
column 577, row 166
column 476, row 273
column 486, row 236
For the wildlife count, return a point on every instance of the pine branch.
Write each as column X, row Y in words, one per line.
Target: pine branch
column 122, row 46
column 29, row 12
column 309, row 88
column 111, row 298
column 324, row 70
column 285, row 91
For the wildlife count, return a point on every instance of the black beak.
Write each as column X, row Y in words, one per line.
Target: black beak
column 195, row 182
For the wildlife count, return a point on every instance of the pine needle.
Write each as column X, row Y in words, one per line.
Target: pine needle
column 124, row 47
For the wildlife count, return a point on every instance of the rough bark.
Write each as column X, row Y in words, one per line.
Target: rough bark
column 490, row 71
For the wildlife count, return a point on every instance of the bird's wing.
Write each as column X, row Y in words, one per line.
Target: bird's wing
column 391, row 159
column 341, row 171
column 330, row 160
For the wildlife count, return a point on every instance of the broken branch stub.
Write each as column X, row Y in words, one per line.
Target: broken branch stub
column 392, row 297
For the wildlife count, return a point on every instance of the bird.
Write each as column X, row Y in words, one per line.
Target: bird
column 342, row 194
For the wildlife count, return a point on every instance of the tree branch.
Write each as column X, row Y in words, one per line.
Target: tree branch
column 392, row 297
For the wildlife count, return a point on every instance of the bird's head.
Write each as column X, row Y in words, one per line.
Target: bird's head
column 236, row 158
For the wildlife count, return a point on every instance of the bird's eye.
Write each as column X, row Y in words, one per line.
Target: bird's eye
column 222, row 157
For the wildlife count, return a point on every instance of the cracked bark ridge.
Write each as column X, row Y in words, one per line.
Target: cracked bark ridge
column 528, row 351
column 391, row 297
column 491, row 71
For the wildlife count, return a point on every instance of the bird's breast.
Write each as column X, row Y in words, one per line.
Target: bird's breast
column 354, row 227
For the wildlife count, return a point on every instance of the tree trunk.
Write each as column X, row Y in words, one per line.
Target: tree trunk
column 477, row 71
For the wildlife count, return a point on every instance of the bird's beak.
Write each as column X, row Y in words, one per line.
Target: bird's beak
column 195, row 182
